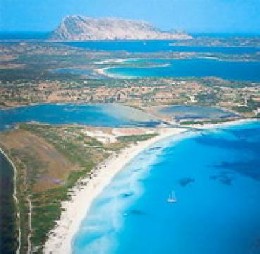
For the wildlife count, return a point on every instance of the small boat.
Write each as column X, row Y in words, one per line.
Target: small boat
column 172, row 198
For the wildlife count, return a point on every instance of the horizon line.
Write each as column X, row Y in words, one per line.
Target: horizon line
column 191, row 32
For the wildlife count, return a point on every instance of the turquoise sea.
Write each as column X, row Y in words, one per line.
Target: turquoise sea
column 194, row 66
column 216, row 177
column 190, row 68
column 158, row 46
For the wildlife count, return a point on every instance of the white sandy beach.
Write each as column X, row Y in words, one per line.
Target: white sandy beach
column 222, row 125
column 104, row 72
column 101, row 71
column 83, row 194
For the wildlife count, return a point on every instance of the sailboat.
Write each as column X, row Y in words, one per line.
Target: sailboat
column 172, row 198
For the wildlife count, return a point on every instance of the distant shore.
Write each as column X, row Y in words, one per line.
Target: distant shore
column 104, row 73
column 60, row 239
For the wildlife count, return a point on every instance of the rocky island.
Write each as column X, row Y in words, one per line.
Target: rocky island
column 80, row 28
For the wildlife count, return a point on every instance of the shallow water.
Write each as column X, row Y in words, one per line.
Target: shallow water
column 109, row 115
column 216, row 177
column 195, row 112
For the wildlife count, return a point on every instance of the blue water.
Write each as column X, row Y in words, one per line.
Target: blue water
column 110, row 115
column 8, row 241
column 179, row 68
column 231, row 70
column 157, row 46
column 24, row 35
column 195, row 112
column 216, row 177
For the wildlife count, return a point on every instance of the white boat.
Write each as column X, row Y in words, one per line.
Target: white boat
column 172, row 198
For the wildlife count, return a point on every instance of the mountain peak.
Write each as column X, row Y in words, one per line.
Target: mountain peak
column 79, row 28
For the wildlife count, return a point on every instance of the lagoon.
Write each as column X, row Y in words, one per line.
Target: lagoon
column 193, row 112
column 191, row 68
column 104, row 115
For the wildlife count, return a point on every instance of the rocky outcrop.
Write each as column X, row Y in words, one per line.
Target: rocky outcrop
column 79, row 28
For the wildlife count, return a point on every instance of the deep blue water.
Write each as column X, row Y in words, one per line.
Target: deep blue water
column 24, row 35
column 109, row 115
column 231, row 70
column 157, row 46
column 8, row 234
column 216, row 177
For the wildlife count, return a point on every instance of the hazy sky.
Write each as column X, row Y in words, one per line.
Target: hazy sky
column 188, row 15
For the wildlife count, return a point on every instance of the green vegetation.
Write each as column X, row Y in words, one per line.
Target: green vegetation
column 21, row 193
column 242, row 109
column 84, row 152
column 207, row 98
column 251, row 106
column 136, row 138
column 205, row 122
column 70, row 141
column 37, row 162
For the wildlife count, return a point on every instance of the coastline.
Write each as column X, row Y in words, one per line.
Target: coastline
column 208, row 126
column 83, row 194
column 104, row 73
column 15, row 199
column 60, row 239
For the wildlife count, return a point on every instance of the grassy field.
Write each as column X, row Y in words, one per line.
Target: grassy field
column 135, row 138
column 49, row 161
